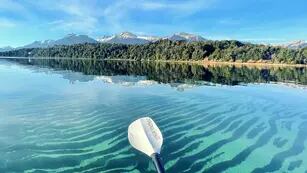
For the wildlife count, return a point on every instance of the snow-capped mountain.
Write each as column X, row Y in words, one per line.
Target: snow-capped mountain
column 130, row 38
column 8, row 48
column 70, row 39
column 123, row 38
column 186, row 37
column 150, row 38
column 296, row 44
column 104, row 38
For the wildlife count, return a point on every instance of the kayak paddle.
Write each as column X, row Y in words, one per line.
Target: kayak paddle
column 145, row 136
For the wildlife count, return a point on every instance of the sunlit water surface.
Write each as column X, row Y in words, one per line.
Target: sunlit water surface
column 64, row 121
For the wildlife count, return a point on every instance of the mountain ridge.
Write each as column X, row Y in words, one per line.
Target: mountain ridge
column 123, row 38
column 130, row 38
column 298, row 44
column 183, row 36
column 69, row 39
column 7, row 48
column 120, row 38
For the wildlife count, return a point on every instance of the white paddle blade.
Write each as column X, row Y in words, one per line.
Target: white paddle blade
column 145, row 136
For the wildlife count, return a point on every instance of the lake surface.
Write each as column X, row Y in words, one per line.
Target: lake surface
column 73, row 115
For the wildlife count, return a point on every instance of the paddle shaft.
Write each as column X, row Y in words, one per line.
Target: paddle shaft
column 158, row 163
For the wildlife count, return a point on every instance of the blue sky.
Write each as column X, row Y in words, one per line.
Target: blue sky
column 269, row 21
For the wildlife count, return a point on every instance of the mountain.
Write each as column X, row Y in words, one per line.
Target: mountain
column 296, row 44
column 186, row 37
column 39, row 44
column 130, row 38
column 150, row 38
column 4, row 49
column 124, row 38
column 70, row 39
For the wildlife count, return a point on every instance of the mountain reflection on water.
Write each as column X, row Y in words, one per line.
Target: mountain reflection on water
column 173, row 73
column 49, row 125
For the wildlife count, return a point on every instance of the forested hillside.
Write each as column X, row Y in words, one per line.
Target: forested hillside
column 172, row 50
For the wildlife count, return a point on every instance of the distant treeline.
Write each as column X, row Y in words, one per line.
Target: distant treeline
column 233, row 51
column 174, row 72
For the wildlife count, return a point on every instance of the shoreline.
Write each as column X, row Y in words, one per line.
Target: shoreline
column 220, row 63
column 205, row 62
column 254, row 64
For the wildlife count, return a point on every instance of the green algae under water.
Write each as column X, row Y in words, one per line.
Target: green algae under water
column 58, row 116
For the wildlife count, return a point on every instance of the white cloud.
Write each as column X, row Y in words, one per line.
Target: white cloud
column 91, row 16
column 6, row 23
column 116, row 13
column 186, row 6
column 8, row 5
column 15, row 7
column 78, row 16
column 87, row 25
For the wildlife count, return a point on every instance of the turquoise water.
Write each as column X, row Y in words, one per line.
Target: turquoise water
column 55, row 120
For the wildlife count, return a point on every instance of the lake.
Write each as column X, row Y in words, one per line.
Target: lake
column 72, row 116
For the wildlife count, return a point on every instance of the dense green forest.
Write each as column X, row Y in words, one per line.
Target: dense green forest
column 175, row 72
column 233, row 51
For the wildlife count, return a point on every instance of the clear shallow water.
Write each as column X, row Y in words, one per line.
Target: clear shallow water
column 64, row 121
